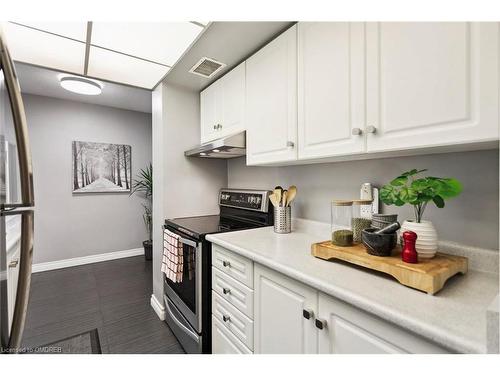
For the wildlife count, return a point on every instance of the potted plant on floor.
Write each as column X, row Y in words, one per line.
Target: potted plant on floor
column 418, row 192
column 143, row 184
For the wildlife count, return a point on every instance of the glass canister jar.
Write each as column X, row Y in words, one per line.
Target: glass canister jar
column 361, row 217
column 341, row 220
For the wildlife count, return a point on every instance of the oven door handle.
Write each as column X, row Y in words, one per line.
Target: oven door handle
column 186, row 330
column 188, row 242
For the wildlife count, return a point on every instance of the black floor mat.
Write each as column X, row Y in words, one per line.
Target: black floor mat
column 83, row 343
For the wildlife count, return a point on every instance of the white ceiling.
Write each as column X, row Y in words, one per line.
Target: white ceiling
column 228, row 42
column 45, row 82
column 133, row 53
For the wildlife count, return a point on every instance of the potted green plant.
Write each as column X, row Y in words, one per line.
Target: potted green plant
column 143, row 185
column 418, row 192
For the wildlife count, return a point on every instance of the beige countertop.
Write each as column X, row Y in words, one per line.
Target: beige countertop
column 455, row 317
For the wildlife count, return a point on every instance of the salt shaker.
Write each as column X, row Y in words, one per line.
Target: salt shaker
column 409, row 253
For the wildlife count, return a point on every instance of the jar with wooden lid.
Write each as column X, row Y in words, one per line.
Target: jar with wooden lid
column 361, row 217
column 341, row 221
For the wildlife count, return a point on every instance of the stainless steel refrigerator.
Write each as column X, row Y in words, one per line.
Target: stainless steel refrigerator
column 16, row 207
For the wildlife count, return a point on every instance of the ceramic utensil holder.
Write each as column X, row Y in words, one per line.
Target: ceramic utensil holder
column 283, row 219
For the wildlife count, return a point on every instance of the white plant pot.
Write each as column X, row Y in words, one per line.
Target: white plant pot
column 427, row 239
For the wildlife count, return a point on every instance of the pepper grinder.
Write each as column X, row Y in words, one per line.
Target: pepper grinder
column 409, row 253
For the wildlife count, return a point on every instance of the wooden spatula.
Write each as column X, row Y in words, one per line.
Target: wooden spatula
column 277, row 195
column 274, row 200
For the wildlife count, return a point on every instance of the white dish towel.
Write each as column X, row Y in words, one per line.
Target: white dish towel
column 172, row 262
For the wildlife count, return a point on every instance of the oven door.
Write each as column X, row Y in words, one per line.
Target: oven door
column 186, row 294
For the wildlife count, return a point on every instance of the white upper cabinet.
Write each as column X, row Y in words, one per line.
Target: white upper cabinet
column 222, row 106
column 341, row 90
column 331, row 72
column 431, row 84
column 233, row 101
column 271, row 101
column 210, row 100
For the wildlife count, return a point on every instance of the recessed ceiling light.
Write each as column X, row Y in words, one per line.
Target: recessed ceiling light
column 80, row 85
column 216, row 150
column 203, row 154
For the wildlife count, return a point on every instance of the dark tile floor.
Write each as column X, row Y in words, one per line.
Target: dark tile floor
column 110, row 296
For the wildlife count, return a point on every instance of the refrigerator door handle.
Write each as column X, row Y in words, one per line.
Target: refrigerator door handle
column 23, row 285
column 21, row 129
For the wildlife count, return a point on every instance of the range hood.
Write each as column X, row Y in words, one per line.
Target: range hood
column 232, row 146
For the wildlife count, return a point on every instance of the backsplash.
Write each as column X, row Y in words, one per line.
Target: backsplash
column 471, row 218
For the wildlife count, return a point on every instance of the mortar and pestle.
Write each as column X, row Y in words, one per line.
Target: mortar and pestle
column 380, row 242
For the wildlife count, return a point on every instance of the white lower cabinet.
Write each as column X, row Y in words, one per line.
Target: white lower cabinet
column 232, row 303
column 348, row 330
column 280, row 305
column 234, row 320
column 290, row 317
column 224, row 342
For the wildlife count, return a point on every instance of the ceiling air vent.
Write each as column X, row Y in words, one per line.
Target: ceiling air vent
column 206, row 67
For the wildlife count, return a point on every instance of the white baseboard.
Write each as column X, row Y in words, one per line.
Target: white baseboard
column 158, row 307
column 47, row 266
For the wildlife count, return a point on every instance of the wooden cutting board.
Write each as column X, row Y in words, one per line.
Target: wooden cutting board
column 428, row 275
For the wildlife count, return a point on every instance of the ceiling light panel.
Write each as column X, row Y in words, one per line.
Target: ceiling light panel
column 116, row 67
column 162, row 42
column 39, row 48
column 74, row 30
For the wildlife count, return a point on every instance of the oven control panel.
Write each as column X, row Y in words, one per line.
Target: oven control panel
column 256, row 200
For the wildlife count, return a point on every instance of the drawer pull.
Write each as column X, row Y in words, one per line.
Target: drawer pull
column 226, row 318
column 225, row 263
column 356, row 131
column 320, row 323
column 308, row 314
column 13, row 264
column 226, row 290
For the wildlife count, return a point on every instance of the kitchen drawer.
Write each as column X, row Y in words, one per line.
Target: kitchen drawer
column 233, row 264
column 224, row 342
column 234, row 320
column 237, row 294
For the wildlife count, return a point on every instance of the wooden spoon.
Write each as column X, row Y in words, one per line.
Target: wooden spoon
column 283, row 200
column 292, row 192
column 274, row 201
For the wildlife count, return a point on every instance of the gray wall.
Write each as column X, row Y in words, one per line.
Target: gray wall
column 182, row 186
column 66, row 225
column 471, row 218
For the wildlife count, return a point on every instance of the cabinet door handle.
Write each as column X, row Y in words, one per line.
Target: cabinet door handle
column 226, row 290
column 308, row 314
column 320, row 323
column 290, row 144
column 356, row 131
column 225, row 263
column 219, row 126
column 371, row 129
column 14, row 263
column 215, row 127
column 226, row 318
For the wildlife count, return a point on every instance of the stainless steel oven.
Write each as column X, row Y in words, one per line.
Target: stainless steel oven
column 183, row 300
column 188, row 298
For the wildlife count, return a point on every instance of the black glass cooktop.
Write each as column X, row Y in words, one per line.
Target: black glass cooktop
column 199, row 226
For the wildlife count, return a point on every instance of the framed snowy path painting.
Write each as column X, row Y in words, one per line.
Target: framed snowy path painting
column 101, row 167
